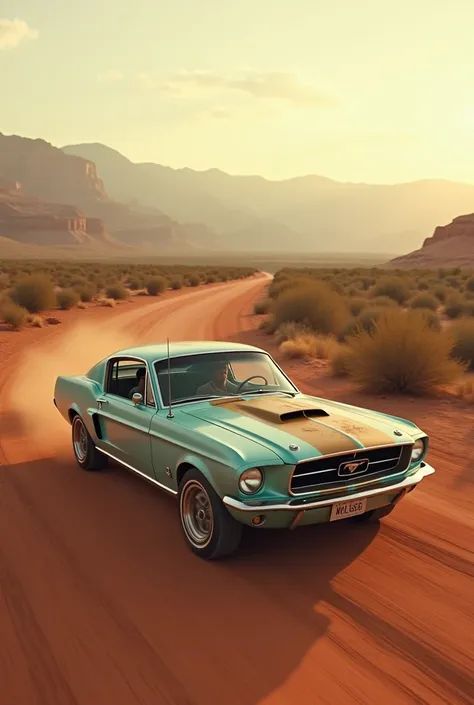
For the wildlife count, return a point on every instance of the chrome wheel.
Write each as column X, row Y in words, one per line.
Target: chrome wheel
column 196, row 514
column 80, row 440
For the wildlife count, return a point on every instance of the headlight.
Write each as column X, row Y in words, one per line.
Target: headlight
column 417, row 450
column 251, row 480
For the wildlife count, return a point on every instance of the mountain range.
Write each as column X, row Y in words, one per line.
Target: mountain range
column 116, row 203
column 308, row 213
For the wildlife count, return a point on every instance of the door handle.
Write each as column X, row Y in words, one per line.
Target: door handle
column 102, row 401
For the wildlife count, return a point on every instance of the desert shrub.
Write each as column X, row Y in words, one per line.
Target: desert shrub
column 315, row 305
column 357, row 304
column 402, row 354
column 424, row 301
column 134, row 284
column 156, row 286
column 14, row 315
column 431, row 317
column 454, row 306
column 340, row 361
column 176, row 283
column 210, row 279
column 268, row 325
column 470, row 284
column 440, row 293
column 86, row 292
column 116, row 291
column 393, row 287
column 469, row 308
column 34, row 292
column 383, row 301
column 463, row 336
column 365, row 322
column 261, row 307
column 67, row 298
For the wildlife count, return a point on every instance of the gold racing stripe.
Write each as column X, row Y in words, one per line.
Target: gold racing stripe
column 327, row 434
column 320, row 436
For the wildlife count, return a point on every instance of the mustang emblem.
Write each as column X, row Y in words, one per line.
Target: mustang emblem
column 353, row 467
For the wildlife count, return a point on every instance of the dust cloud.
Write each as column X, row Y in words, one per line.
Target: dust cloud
column 30, row 396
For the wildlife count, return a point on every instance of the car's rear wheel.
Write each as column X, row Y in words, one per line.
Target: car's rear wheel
column 210, row 531
column 86, row 454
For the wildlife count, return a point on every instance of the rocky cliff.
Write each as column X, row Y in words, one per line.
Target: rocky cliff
column 54, row 177
column 32, row 220
column 450, row 245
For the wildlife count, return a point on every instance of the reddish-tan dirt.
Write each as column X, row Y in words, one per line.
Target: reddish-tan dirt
column 102, row 603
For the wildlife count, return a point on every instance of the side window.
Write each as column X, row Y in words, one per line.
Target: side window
column 124, row 376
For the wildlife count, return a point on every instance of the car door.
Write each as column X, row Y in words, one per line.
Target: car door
column 125, row 426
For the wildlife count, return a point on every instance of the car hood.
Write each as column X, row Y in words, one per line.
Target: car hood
column 305, row 427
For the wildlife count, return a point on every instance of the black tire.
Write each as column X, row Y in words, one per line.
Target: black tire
column 374, row 515
column 223, row 531
column 86, row 454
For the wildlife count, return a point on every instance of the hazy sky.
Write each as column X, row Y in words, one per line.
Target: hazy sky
column 358, row 90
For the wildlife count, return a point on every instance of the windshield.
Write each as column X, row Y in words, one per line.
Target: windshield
column 212, row 375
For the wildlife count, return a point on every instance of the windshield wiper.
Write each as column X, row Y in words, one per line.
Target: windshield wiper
column 202, row 398
column 271, row 391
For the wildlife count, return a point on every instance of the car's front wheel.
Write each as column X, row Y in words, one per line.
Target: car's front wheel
column 86, row 454
column 210, row 531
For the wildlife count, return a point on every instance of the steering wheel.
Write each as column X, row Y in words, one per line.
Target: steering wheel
column 248, row 380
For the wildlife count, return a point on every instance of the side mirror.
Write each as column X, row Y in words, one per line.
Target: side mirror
column 137, row 398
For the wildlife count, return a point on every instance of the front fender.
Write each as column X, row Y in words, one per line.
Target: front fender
column 222, row 478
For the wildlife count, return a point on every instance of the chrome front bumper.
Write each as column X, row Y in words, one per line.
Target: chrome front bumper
column 424, row 471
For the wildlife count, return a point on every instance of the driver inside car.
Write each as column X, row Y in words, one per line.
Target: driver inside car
column 140, row 386
column 219, row 384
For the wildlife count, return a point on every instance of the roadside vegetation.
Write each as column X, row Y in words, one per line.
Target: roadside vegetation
column 30, row 288
column 386, row 330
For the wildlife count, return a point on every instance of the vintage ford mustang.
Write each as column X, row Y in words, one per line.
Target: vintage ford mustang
column 220, row 426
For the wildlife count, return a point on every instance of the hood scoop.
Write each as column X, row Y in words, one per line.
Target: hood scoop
column 275, row 409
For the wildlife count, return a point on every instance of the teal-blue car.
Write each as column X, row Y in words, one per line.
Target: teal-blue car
column 221, row 427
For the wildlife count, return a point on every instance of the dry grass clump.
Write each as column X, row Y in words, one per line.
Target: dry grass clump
column 454, row 305
column 308, row 345
column 465, row 389
column 13, row 315
column 290, row 330
column 340, row 361
column 110, row 303
column 35, row 320
column 463, row 336
column 313, row 304
column 34, row 292
column 402, row 354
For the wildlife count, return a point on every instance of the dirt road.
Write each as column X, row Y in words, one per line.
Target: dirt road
column 101, row 602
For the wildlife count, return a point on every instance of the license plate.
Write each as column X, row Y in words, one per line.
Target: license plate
column 343, row 510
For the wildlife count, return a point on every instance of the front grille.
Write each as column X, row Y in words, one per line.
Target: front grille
column 331, row 472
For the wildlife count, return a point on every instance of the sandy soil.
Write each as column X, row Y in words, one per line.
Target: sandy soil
column 102, row 603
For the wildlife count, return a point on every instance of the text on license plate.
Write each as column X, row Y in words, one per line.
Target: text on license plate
column 343, row 510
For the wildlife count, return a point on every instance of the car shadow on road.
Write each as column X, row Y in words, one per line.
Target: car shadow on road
column 229, row 632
